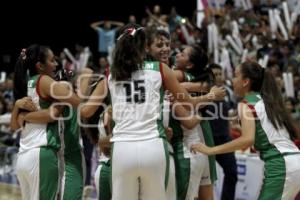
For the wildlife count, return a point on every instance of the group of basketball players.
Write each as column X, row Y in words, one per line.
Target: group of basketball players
column 153, row 138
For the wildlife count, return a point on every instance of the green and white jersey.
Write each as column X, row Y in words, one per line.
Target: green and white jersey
column 183, row 138
column 268, row 141
column 72, row 138
column 37, row 135
column 137, row 104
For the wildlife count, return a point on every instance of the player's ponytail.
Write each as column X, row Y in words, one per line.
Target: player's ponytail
column 129, row 52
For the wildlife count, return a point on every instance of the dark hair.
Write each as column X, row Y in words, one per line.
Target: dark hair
column 214, row 66
column 263, row 82
column 129, row 52
column 153, row 32
column 26, row 65
column 200, row 71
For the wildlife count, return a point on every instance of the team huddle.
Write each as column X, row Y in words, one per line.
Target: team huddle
column 154, row 138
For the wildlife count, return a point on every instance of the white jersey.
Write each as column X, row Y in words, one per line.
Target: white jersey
column 36, row 135
column 279, row 138
column 137, row 105
column 268, row 140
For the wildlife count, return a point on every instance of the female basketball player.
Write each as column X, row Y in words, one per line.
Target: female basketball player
column 41, row 64
column 266, row 124
column 137, row 87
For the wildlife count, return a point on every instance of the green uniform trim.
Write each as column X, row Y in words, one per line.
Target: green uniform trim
column 71, row 131
column 160, row 126
column 52, row 135
column 274, row 179
column 148, row 65
column 73, row 188
column 261, row 143
column 105, row 181
column 73, row 157
column 167, row 162
column 182, row 165
column 48, row 174
column 182, row 171
column 209, row 141
column 274, row 167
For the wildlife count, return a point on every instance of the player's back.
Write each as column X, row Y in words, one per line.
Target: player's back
column 137, row 104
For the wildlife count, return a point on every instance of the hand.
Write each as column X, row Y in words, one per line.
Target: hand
column 26, row 103
column 169, row 97
column 217, row 93
column 202, row 148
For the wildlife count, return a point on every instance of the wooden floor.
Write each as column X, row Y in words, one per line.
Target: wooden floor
column 9, row 192
column 13, row 192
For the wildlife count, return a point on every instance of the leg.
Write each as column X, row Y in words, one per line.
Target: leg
column 196, row 172
column 206, row 186
column 206, row 192
column 154, row 168
column 292, row 178
column 274, row 179
column 74, row 176
column 171, row 188
column 88, row 151
column 105, row 182
column 124, row 171
column 48, row 174
column 23, row 162
column 182, row 171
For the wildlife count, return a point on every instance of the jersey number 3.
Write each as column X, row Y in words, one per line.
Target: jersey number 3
column 138, row 88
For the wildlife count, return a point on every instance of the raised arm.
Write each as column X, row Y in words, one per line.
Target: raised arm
column 83, row 82
column 61, row 91
column 95, row 25
column 155, row 18
column 88, row 108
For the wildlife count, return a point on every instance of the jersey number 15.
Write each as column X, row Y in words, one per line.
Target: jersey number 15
column 138, row 88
